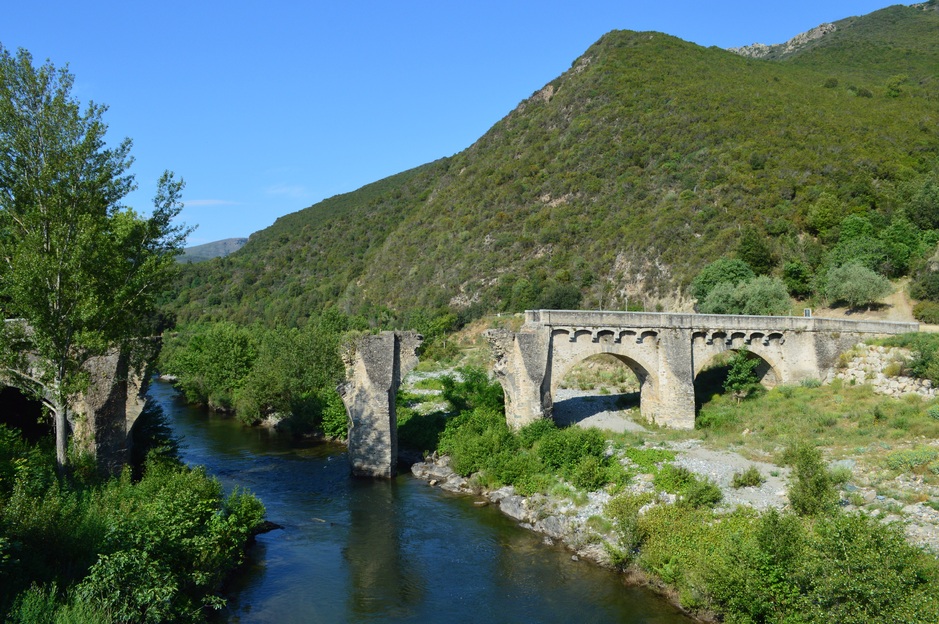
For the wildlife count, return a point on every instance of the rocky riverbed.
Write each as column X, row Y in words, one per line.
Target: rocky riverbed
column 900, row 499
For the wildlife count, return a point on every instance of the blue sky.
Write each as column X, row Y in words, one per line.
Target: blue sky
column 265, row 108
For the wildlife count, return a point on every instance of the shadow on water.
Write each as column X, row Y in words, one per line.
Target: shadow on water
column 573, row 410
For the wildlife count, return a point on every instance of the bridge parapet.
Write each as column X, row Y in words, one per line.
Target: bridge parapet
column 595, row 319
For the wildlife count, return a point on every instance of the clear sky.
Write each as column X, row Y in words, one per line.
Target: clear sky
column 265, row 108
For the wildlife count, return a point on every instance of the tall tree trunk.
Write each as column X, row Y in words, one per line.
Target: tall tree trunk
column 60, row 419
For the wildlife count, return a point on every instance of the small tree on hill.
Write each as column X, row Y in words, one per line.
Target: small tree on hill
column 856, row 285
column 724, row 270
column 79, row 270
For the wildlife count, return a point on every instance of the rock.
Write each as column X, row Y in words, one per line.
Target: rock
column 551, row 526
column 514, row 507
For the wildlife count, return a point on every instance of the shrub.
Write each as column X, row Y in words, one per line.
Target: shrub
column 762, row 296
column 589, row 474
column 563, row 449
column 701, row 493
column 755, row 575
column 927, row 312
column 741, row 376
column 623, row 511
column 475, row 390
column 750, row 477
column 647, row 458
column 858, row 570
column 812, row 492
column 911, row 459
column 673, row 479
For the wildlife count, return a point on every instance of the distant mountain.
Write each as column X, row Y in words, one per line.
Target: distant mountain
column 218, row 249
column 617, row 181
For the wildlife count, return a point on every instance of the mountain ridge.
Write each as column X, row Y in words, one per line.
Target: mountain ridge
column 613, row 183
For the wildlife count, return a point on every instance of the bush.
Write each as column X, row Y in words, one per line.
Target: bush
column 762, row 296
column 741, row 376
column 750, row 477
column 563, row 449
column 857, row 570
column 475, row 390
column 647, row 458
column 927, row 312
column 911, row 459
column 812, row 492
column 701, row 493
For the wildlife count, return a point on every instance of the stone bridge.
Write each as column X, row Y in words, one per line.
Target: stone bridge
column 666, row 352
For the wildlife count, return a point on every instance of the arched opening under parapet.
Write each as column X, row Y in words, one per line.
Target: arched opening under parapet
column 602, row 390
column 710, row 380
column 24, row 413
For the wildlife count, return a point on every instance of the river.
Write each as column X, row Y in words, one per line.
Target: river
column 387, row 551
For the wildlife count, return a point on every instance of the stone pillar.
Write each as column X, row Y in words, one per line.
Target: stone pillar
column 375, row 367
column 522, row 366
column 104, row 414
column 673, row 405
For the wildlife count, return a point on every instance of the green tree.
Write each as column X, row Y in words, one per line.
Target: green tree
column 856, row 285
column 78, row 268
column 798, row 279
column 753, row 250
column 724, row 270
column 923, row 209
column 742, row 376
column 761, row 296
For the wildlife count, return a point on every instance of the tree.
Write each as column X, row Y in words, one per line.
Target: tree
column 761, row 296
column 856, row 285
column 754, row 250
column 741, row 376
column 78, row 268
column 733, row 271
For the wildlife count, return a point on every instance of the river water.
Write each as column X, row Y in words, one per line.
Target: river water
column 387, row 551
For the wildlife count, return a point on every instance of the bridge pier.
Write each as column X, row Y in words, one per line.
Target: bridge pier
column 375, row 366
column 102, row 416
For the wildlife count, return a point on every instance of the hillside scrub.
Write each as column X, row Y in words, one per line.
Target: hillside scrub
column 79, row 549
column 615, row 183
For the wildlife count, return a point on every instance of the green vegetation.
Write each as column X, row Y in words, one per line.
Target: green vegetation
column 79, row 269
column 856, row 285
column 650, row 158
column 764, row 296
column 80, row 549
column 925, row 350
column 257, row 372
column 741, row 376
column 750, row 477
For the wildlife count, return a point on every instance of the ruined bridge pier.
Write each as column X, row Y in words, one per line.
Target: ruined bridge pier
column 375, row 367
column 666, row 352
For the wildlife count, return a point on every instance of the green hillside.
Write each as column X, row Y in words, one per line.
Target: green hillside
column 620, row 179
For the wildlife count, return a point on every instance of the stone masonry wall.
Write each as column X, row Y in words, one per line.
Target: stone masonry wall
column 873, row 365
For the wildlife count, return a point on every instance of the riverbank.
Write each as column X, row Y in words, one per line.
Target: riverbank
column 873, row 446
